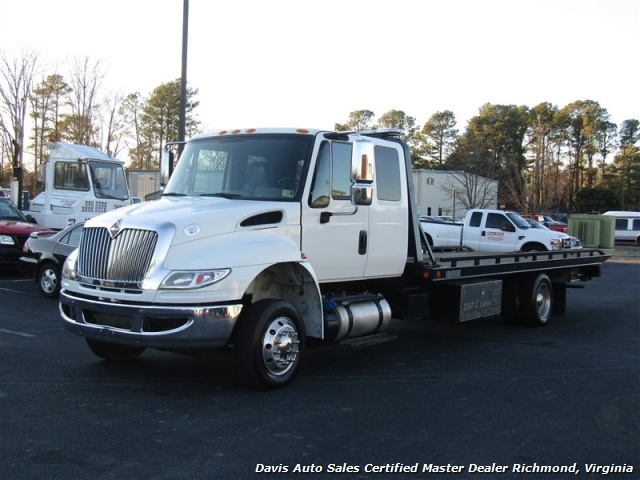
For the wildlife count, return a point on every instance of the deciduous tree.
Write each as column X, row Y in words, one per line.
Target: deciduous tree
column 81, row 125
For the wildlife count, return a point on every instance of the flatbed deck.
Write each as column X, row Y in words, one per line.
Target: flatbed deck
column 483, row 264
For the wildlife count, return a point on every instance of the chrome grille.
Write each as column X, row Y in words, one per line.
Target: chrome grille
column 125, row 258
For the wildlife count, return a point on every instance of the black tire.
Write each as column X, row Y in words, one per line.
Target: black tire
column 511, row 301
column 430, row 240
column 536, row 300
column 48, row 280
column 268, row 343
column 114, row 352
column 534, row 247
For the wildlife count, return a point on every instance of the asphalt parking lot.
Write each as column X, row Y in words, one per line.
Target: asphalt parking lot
column 475, row 397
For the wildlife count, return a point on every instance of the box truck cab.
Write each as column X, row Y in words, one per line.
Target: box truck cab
column 80, row 182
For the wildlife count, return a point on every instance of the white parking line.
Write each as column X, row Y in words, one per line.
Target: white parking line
column 16, row 333
column 17, row 291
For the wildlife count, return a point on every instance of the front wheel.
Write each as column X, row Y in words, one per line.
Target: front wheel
column 533, row 248
column 48, row 280
column 536, row 300
column 268, row 343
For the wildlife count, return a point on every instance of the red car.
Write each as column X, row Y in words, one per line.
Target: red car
column 14, row 231
column 549, row 222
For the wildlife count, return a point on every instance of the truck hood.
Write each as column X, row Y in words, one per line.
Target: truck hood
column 200, row 217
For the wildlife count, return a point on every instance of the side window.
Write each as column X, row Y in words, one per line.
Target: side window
column 621, row 223
column 71, row 176
column 387, row 173
column 341, row 172
column 476, row 219
column 73, row 237
column 636, row 225
column 500, row 222
column 321, row 186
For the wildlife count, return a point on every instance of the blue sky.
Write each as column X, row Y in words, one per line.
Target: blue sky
column 309, row 63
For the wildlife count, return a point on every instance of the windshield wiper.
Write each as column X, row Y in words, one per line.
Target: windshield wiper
column 221, row 195
column 111, row 197
column 174, row 194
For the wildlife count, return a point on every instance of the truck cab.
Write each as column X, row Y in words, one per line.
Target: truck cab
column 80, row 182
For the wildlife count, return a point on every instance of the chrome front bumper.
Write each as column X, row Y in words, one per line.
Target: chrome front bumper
column 149, row 326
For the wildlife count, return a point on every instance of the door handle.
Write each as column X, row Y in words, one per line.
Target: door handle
column 362, row 242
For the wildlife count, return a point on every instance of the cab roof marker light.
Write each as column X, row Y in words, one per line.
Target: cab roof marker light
column 302, row 130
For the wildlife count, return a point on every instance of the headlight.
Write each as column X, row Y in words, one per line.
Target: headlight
column 69, row 268
column 6, row 240
column 192, row 279
column 556, row 244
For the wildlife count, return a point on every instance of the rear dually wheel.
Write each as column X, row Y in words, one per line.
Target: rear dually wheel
column 536, row 300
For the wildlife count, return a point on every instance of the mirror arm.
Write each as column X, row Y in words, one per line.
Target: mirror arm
column 325, row 216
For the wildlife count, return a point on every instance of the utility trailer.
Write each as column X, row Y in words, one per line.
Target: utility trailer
column 271, row 240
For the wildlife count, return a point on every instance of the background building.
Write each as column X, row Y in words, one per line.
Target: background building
column 453, row 193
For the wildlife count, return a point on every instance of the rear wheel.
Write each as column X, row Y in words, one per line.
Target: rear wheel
column 536, row 300
column 113, row 352
column 268, row 343
column 48, row 279
column 511, row 301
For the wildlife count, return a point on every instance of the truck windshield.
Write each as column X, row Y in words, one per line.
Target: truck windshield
column 108, row 180
column 518, row 220
column 258, row 167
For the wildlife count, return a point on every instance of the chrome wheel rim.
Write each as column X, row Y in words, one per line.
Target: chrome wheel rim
column 543, row 302
column 280, row 346
column 48, row 280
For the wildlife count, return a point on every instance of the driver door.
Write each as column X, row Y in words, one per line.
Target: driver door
column 332, row 227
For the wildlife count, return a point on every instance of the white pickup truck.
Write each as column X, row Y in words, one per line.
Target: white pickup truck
column 493, row 231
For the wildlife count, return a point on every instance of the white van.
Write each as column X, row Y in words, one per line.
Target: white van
column 627, row 226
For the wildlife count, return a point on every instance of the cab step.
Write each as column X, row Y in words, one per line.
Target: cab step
column 368, row 340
